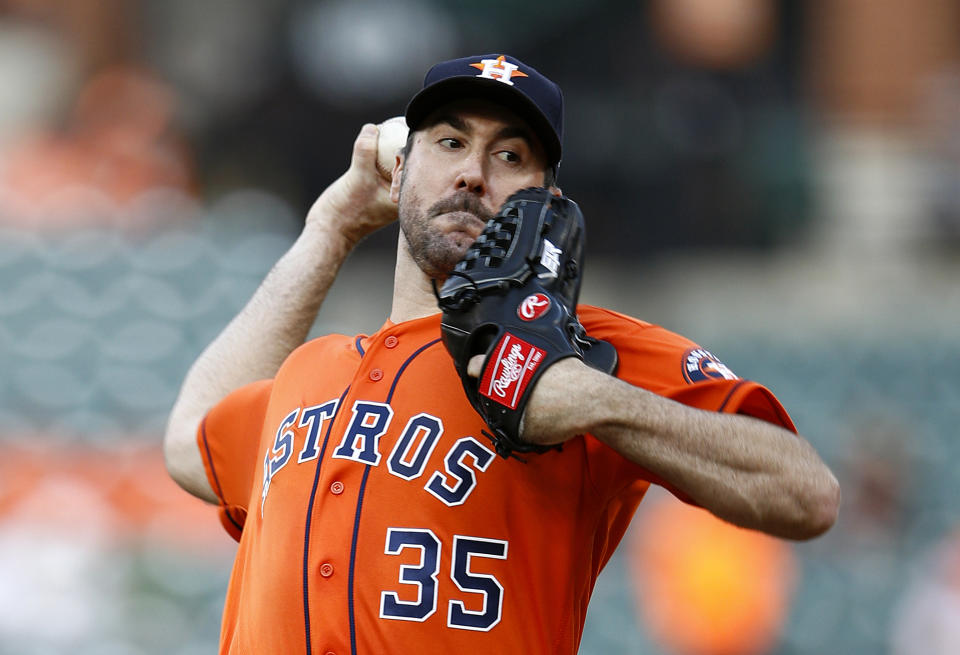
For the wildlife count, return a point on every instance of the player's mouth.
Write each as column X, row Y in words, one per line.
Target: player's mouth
column 462, row 222
column 463, row 208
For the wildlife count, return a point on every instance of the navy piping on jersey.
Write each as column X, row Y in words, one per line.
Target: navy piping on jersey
column 216, row 480
column 306, row 534
column 363, row 486
column 723, row 405
column 393, row 387
column 353, row 559
column 359, row 347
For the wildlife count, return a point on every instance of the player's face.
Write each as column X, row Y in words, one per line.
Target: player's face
column 460, row 170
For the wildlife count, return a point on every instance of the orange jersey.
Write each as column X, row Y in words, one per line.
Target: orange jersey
column 374, row 517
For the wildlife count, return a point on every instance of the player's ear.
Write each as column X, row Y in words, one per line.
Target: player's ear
column 396, row 180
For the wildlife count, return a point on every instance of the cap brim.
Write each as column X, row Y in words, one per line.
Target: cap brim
column 452, row 89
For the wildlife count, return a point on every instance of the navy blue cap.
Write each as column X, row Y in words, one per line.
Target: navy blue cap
column 502, row 79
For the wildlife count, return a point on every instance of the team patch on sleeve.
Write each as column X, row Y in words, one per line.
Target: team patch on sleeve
column 700, row 365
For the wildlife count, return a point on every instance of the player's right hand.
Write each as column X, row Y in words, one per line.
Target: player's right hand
column 358, row 202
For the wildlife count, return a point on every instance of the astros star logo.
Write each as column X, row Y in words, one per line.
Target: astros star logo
column 498, row 69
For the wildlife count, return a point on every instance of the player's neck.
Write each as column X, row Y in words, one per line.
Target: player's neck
column 412, row 292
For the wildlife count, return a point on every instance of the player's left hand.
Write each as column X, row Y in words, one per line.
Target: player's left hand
column 557, row 410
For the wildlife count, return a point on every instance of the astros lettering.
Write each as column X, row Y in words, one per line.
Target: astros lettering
column 361, row 443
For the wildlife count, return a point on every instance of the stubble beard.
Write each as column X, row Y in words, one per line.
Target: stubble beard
column 435, row 252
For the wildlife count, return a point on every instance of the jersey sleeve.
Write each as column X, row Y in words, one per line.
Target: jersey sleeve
column 228, row 439
column 672, row 366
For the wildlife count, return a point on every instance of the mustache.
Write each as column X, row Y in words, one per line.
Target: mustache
column 462, row 202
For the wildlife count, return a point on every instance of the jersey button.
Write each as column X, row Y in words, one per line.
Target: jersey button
column 326, row 569
column 329, row 652
column 336, row 488
column 391, row 341
column 376, row 374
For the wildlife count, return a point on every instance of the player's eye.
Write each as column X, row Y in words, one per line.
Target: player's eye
column 451, row 143
column 508, row 156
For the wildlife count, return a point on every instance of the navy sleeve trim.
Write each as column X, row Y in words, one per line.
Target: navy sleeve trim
column 216, row 480
column 732, row 391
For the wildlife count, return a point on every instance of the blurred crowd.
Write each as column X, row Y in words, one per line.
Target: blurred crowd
column 156, row 156
column 717, row 118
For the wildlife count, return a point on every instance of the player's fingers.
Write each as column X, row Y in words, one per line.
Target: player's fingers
column 365, row 146
column 475, row 366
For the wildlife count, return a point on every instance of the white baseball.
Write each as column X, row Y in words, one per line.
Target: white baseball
column 393, row 136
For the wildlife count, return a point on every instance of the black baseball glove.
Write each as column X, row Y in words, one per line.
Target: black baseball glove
column 513, row 298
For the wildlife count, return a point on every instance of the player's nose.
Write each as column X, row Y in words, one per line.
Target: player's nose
column 470, row 175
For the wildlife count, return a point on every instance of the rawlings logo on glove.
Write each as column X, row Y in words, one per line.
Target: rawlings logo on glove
column 533, row 307
column 516, row 366
column 513, row 299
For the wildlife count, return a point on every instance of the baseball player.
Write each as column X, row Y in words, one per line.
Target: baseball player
column 383, row 502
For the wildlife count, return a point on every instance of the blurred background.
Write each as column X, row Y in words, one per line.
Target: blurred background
column 779, row 181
